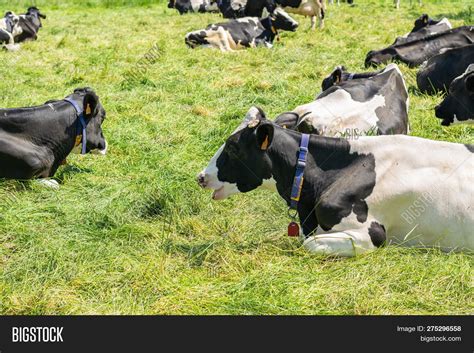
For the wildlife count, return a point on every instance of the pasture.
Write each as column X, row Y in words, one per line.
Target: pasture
column 132, row 233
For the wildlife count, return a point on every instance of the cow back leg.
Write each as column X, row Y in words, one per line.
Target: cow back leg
column 343, row 244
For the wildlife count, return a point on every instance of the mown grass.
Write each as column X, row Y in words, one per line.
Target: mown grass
column 133, row 234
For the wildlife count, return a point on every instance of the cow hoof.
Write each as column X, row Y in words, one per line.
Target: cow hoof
column 49, row 183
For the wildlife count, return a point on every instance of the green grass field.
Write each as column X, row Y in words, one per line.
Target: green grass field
column 133, row 234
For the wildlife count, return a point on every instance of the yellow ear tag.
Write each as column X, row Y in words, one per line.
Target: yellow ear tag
column 253, row 123
column 264, row 145
column 88, row 109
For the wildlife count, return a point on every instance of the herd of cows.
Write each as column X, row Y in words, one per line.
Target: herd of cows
column 343, row 162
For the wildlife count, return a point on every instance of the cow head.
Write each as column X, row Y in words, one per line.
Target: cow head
column 281, row 20
column 94, row 115
column 34, row 11
column 334, row 78
column 242, row 163
column 458, row 106
column 171, row 4
column 421, row 22
column 375, row 58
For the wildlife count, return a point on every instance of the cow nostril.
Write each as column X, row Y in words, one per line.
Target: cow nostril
column 201, row 179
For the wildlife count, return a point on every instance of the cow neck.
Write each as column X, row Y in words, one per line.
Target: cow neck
column 270, row 30
column 9, row 23
column 322, row 165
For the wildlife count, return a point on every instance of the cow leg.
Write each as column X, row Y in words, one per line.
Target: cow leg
column 345, row 244
column 313, row 23
column 397, row 3
column 321, row 20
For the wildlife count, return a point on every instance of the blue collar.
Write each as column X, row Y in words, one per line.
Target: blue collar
column 81, row 124
column 299, row 175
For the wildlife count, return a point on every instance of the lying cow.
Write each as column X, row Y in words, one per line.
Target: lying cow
column 417, row 51
column 377, row 105
column 355, row 195
column 243, row 32
column 458, row 106
column 30, row 24
column 311, row 8
column 439, row 71
column 9, row 29
column 185, row 6
column 35, row 141
column 424, row 26
column 244, row 8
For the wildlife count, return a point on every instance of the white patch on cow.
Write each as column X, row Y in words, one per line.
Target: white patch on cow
column 48, row 183
column 310, row 8
column 424, row 193
column 446, row 22
column 337, row 113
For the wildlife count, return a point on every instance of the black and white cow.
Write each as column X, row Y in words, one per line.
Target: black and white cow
column 30, row 24
column 311, row 8
column 397, row 3
column 243, row 32
column 424, row 26
column 458, row 106
column 9, row 29
column 377, row 105
column 185, row 6
column 415, row 52
column 35, row 141
column 439, row 71
column 356, row 195
column 245, row 8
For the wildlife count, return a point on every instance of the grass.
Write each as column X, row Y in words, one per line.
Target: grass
column 133, row 234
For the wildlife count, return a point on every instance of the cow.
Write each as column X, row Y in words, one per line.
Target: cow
column 458, row 106
column 247, row 32
column 415, row 52
column 35, row 141
column 243, row 8
column 353, row 196
column 438, row 72
column 377, row 105
column 9, row 29
column 30, row 23
column 424, row 26
column 312, row 8
column 185, row 6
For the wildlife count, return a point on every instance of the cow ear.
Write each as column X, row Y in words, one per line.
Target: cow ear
column 265, row 136
column 90, row 104
column 470, row 83
column 425, row 18
column 337, row 75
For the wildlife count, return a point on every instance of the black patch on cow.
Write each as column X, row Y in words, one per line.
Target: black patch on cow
column 377, row 234
column 470, row 148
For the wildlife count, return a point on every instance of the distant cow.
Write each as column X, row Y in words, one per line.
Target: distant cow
column 417, row 51
column 439, row 71
column 312, row 8
column 377, row 105
column 245, row 8
column 30, row 24
column 354, row 195
column 9, row 29
column 185, row 6
column 424, row 26
column 35, row 141
column 243, row 32
column 458, row 106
